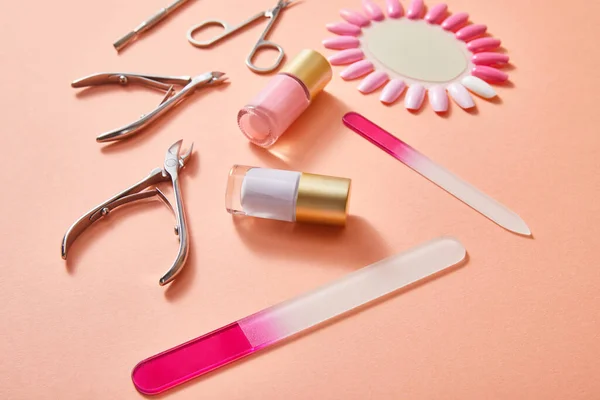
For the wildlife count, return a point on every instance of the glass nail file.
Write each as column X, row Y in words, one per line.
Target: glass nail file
column 437, row 174
column 271, row 325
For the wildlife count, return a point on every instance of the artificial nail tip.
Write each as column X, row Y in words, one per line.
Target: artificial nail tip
column 394, row 8
column 354, row 17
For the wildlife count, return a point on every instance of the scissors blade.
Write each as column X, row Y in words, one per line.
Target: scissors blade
column 281, row 4
column 437, row 174
column 285, row 3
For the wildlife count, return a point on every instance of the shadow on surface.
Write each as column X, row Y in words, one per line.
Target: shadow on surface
column 356, row 244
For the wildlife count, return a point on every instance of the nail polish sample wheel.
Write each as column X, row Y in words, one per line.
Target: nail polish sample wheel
column 420, row 53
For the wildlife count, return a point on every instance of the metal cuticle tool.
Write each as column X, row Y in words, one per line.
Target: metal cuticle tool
column 163, row 83
column 144, row 189
column 148, row 24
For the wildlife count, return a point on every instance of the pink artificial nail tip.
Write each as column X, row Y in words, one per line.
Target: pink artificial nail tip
column 483, row 44
column 415, row 9
column 343, row 28
column 489, row 58
column 436, row 13
column 341, row 42
column 373, row 10
column 461, row 95
column 414, row 97
column 489, row 74
column 392, row 91
column 455, row 21
column 357, row 69
column 438, row 99
column 373, row 81
column 354, row 17
column 471, row 32
column 346, row 57
column 394, row 8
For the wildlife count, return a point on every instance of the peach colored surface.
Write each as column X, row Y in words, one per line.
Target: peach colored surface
column 520, row 321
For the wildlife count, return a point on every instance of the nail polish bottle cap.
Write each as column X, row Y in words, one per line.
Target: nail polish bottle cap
column 322, row 199
column 312, row 69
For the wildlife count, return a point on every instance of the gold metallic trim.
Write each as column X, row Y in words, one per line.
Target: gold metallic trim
column 322, row 199
column 312, row 69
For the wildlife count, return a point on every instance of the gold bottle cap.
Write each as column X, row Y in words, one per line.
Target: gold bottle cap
column 322, row 199
column 312, row 68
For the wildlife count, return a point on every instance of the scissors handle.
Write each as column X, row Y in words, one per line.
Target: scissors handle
column 227, row 30
column 260, row 45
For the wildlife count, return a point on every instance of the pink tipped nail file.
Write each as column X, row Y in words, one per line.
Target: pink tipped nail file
column 437, row 174
column 271, row 325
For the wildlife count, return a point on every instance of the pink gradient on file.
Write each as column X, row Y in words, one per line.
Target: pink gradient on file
column 273, row 324
column 381, row 138
column 265, row 327
column 437, row 174
column 208, row 352
column 186, row 361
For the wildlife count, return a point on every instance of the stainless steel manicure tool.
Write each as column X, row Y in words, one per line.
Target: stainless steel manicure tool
column 143, row 190
column 147, row 25
column 165, row 83
column 272, row 14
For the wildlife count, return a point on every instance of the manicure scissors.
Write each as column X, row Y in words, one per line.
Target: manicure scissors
column 263, row 43
column 142, row 190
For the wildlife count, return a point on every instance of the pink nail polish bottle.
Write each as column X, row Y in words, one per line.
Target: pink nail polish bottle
column 285, row 97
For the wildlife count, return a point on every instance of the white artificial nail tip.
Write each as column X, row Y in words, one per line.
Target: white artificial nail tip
column 479, row 87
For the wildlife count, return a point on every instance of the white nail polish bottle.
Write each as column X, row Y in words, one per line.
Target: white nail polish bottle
column 287, row 195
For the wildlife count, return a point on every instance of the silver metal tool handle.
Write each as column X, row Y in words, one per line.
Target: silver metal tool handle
column 181, row 230
column 147, row 24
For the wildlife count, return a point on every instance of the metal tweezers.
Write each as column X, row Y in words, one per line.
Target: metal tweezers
column 140, row 191
column 164, row 83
